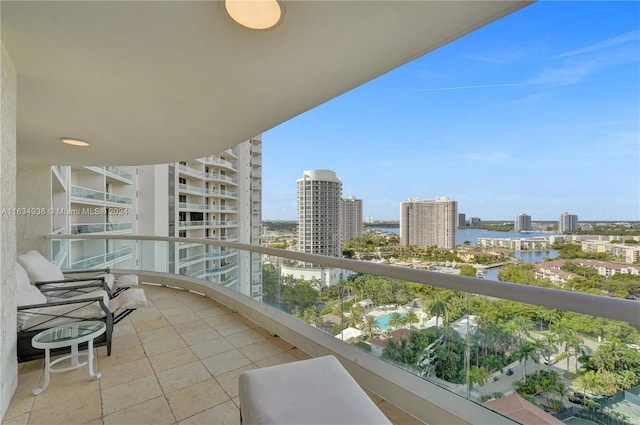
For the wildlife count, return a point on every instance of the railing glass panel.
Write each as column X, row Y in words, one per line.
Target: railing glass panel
column 473, row 337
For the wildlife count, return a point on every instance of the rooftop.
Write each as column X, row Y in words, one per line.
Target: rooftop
column 176, row 361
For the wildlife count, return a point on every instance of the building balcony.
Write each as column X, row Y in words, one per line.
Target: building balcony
column 83, row 195
column 218, row 163
column 191, row 189
column 183, row 169
column 118, row 174
column 426, row 396
column 85, row 228
column 220, row 178
column 221, row 193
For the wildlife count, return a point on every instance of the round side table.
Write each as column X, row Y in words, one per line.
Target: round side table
column 69, row 335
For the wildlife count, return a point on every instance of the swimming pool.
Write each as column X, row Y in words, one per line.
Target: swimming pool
column 383, row 321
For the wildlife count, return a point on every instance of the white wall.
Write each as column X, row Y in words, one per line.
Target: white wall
column 33, row 191
column 8, row 362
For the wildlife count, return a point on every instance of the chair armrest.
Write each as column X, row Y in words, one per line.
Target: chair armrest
column 71, row 279
column 81, row 271
column 50, row 314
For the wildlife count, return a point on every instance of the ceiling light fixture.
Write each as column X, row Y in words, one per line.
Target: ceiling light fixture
column 255, row 14
column 74, row 142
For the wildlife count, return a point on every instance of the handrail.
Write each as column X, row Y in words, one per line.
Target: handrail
column 594, row 305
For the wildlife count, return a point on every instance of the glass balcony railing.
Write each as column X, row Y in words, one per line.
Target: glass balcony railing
column 189, row 188
column 96, row 196
column 100, row 227
column 458, row 344
column 220, row 177
column 119, row 172
column 103, row 260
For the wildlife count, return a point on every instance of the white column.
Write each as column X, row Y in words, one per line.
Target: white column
column 8, row 361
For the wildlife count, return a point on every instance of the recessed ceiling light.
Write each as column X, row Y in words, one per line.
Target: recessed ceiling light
column 255, row 14
column 74, row 142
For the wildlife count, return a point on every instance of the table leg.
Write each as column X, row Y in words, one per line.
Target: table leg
column 74, row 355
column 90, row 361
column 38, row 391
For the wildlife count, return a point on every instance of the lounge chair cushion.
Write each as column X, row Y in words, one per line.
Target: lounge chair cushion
column 22, row 278
column 127, row 281
column 27, row 295
column 41, row 320
column 39, row 268
column 316, row 391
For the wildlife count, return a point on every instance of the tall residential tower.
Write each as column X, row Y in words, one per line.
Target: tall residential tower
column 319, row 202
column 351, row 218
column 522, row 223
column 429, row 222
column 567, row 222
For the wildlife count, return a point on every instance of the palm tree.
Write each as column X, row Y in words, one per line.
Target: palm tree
column 571, row 341
column 396, row 320
column 550, row 346
column 477, row 375
column 525, row 352
column 370, row 326
column 411, row 317
column 439, row 307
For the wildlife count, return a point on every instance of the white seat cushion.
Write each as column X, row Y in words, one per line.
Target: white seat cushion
column 316, row 391
column 39, row 268
column 127, row 281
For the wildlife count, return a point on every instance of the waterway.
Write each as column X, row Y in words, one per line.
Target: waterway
column 472, row 236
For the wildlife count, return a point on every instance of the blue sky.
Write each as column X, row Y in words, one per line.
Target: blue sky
column 537, row 113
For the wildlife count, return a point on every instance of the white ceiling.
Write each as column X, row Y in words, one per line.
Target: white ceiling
column 152, row 82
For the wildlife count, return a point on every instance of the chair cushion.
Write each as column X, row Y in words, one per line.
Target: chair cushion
column 39, row 268
column 42, row 317
column 22, row 278
column 27, row 295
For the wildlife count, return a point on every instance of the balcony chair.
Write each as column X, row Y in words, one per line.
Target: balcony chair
column 44, row 274
column 36, row 312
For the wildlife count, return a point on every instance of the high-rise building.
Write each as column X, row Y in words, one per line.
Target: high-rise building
column 351, row 218
column 522, row 223
column 474, row 221
column 319, row 201
column 567, row 222
column 214, row 197
column 429, row 222
column 462, row 220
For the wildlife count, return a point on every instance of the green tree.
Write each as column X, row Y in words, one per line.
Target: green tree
column 411, row 317
column 439, row 307
column 477, row 375
column 370, row 326
column 524, row 352
column 396, row 320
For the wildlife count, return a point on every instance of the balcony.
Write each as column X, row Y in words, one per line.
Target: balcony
column 433, row 399
column 116, row 173
column 220, row 177
column 85, row 228
column 176, row 360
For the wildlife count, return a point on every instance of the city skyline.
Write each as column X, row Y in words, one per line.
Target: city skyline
column 537, row 112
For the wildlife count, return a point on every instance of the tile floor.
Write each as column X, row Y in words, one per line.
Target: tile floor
column 176, row 361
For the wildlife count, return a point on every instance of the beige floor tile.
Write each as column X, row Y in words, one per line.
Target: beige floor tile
column 152, row 412
column 16, row 420
column 200, row 336
column 223, row 414
column 225, row 362
column 130, row 394
column 120, row 356
column 182, row 318
column 157, row 334
column 145, row 315
column 125, row 372
column 171, row 359
column 151, row 324
column 201, row 304
column 62, row 388
column 211, row 312
column 163, row 345
column 229, row 381
column 78, row 410
column 260, row 350
column 182, row 376
column 196, row 398
column 188, row 327
column 122, row 329
column 220, row 319
column 211, row 348
column 230, row 328
column 242, row 339
column 21, row 403
column 299, row 354
column 281, row 358
column 282, row 343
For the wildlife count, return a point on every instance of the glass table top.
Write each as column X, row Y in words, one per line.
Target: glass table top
column 68, row 332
